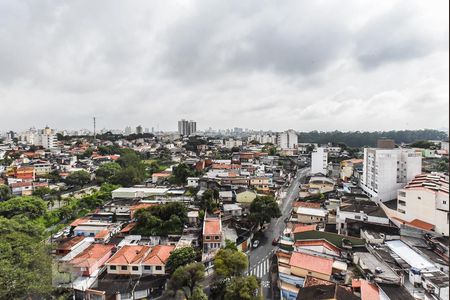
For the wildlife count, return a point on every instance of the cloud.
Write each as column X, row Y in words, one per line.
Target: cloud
column 306, row 65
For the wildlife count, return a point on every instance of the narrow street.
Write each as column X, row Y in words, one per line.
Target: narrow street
column 260, row 258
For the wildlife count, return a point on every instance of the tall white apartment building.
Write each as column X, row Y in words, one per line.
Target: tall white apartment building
column 187, row 128
column 319, row 161
column 425, row 198
column 288, row 139
column 264, row 138
column 387, row 169
column 45, row 138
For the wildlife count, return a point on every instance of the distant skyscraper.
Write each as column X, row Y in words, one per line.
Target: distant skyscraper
column 187, row 128
column 139, row 130
column 288, row 139
column 127, row 130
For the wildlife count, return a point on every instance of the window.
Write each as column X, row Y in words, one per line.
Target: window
column 216, row 237
column 148, row 268
column 158, row 268
column 134, row 268
column 402, row 203
column 401, row 211
column 419, row 198
column 123, row 267
column 112, row 267
column 444, row 202
column 402, row 194
column 358, row 217
column 207, row 237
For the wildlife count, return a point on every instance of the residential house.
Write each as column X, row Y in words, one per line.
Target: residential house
column 352, row 211
column 91, row 259
column 426, row 198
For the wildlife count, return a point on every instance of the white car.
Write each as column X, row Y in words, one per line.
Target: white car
column 255, row 244
column 57, row 235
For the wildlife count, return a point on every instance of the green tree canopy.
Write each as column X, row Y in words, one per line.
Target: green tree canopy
column 78, row 178
column 186, row 279
column 199, row 294
column 25, row 263
column 30, row 207
column 229, row 262
column 107, row 171
column 180, row 174
column 161, row 219
column 5, row 192
column 263, row 209
column 209, row 200
column 243, row 288
column 180, row 257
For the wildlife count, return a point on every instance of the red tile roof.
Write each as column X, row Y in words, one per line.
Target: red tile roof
column 159, row 255
column 79, row 221
column 311, row 262
column 68, row 244
column 212, row 226
column 91, row 255
column 301, row 228
column 306, row 204
column 416, row 223
column 128, row 228
column 322, row 243
column 312, row 281
column 102, row 234
column 129, row 254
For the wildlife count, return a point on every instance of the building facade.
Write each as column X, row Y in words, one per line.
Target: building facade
column 187, row 128
column 426, row 198
column 288, row 139
column 385, row 170
column 319, row 161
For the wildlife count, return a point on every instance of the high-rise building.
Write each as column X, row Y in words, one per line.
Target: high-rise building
column 187, row 128
column 127, row 130
column 319, row 161
column 387, row 169
column 288, row 139
column 139, row 130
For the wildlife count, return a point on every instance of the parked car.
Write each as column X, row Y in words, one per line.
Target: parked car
column 57, row 235
column 255, row 243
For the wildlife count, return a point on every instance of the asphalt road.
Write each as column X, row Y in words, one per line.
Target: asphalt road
column 260, row 257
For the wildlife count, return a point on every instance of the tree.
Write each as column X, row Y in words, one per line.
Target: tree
column 30, row 207
column 242, row 288
column 180, row 257
column 186, row 279
column 199, row 294
column 180, row 174
column 43, row 191
column 161, row 220
column 78, row 178
column 209, row 200
column 230, row 245
column 106, row 172
column 25, row 263
column 5, row 192
column 229, row 262
column 263, row 209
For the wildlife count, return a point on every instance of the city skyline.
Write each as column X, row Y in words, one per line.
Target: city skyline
column 303, row 65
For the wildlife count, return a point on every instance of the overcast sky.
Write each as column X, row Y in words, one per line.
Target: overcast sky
column 306, row 65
